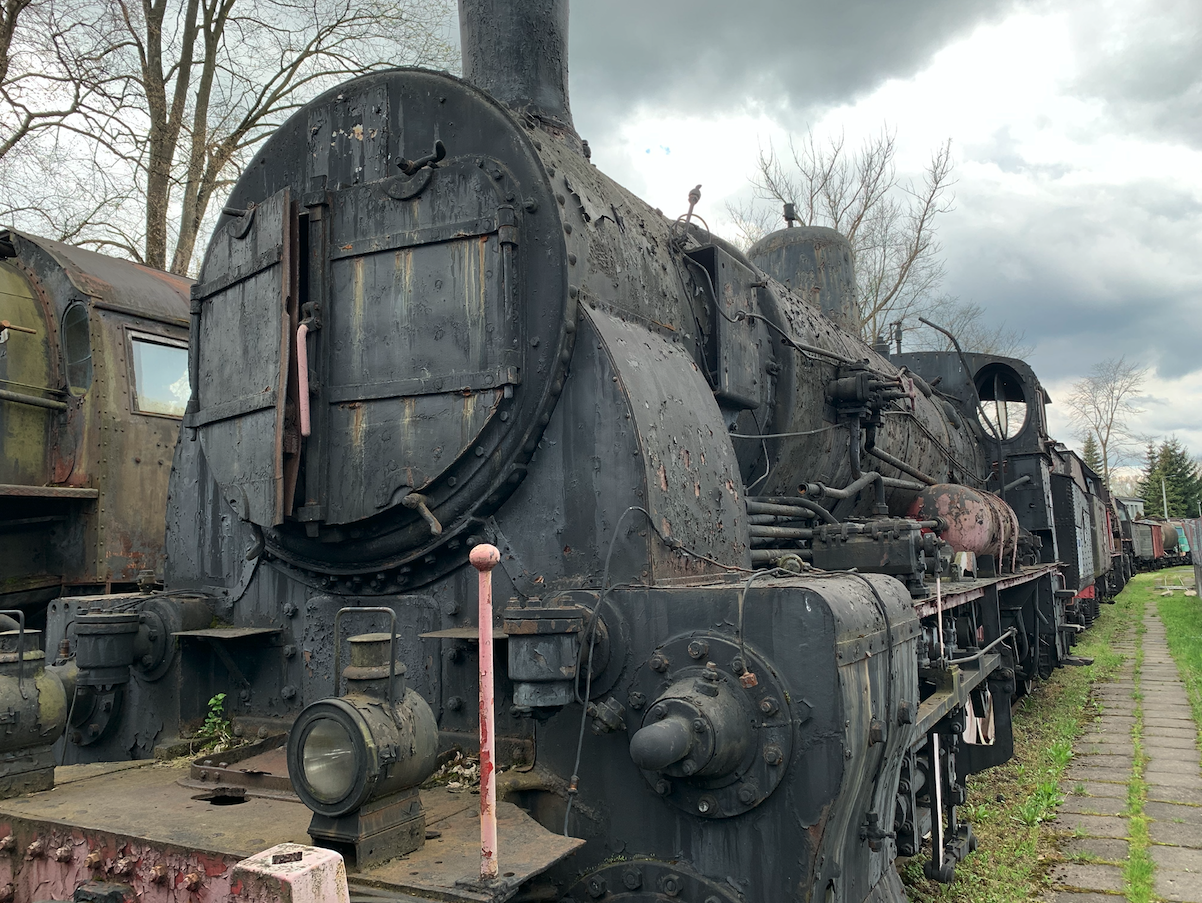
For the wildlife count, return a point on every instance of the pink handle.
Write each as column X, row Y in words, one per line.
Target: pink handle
column 484, row 558
column 302, row 376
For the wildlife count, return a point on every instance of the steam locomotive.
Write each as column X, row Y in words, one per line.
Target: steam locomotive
column 768, row 593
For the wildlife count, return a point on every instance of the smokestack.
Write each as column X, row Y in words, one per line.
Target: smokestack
column 517, row 51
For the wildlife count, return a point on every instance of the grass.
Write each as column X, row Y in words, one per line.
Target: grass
column 1182, row 617
column 1010, row 804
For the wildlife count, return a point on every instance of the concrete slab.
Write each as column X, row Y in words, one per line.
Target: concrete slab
column 1093, row 805
column 1175, row 833
column 1182, row 758
column 1087, row 876
column 1104, row 760
column 1178, row 742
column 1108, row 848
column 1173, row 812
column 1180, row 887
column 1167, row 794
column 1190, row 780
column 1179, row 859
column 1072, row 896
column 1095, row 789
column 1082, row 772
column 1093, row 825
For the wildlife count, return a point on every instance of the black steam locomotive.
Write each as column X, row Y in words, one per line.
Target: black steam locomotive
column 768, row 594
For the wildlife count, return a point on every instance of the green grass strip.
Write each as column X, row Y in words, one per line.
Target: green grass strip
column 1139, row 868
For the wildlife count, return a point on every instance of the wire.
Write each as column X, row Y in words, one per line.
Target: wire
column 828, row 427
column 767, row 457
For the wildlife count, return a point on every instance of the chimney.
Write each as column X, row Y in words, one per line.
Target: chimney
column 517, row 51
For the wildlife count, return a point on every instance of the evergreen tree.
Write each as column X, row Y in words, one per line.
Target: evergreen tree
column 1091, row 455
column 1170, row 474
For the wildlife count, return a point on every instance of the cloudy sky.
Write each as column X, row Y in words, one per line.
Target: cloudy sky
column 1076, row 129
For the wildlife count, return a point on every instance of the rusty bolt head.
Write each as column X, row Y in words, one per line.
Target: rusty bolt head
column 192, row 881
column 158, row 874
column 35, row 849
column 7, row 893
column 772, row 755
column 632, row 878
column 662, row 787
column 747, row 680
column 659, row 662
column 93, row 860
column 699, row 649
column 596, row 887
column 8, row 843
column 671, row 885
column 769, row 705
column 123, row 866
column 64, row 853
column 747, row 794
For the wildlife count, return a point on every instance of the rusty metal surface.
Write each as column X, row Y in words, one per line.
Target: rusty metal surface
column 144, row 814
column 120, row 285
column 961, row 592
column 47, row 492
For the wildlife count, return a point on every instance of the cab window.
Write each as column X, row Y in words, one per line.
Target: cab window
column 160, row 376
column 77, row 348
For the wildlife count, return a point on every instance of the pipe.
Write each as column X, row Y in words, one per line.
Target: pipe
column 756, row 530
column 901, row 465
column 484, row 558
column 789, row 509
column 517, row 51
column 767, row 556
column 302, row 376
column 32, row 400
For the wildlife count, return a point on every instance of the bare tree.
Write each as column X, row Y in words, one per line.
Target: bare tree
column 1101, row 404
column 966, row 321
column 195, row 85
column 889, row 221
column 52, row 66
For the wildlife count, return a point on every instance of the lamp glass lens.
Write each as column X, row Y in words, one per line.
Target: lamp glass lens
column 329, row 761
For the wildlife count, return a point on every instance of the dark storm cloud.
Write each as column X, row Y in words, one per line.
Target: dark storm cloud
column 1145, row 68
column 720, row 57
column 1087, row 272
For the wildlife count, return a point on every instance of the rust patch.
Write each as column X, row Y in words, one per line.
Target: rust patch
column 663, row 478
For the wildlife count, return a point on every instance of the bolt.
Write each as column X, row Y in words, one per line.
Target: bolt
column 636, row 700
column 158, row 874
column 712, row 900
column 772, row 755
column 7, row 893
column 63, row 853
column 632, row 878
column 244, row 695
column 93, row 859
column 192, row 881
column 455, row 703
column 660, row 711
column 596, row 887
column 659, row 662
column 699, row 725
column 289, row 651
column 35, row 849
column 8, row 843
column 699, row 649
column 671, row 884
column 290, row 609
column 662, row 787
column 689, row 767
column 738, row 665
column 711, row 671
column 747, row 794
column 123, row 866
column 769, row 706
column 147, row 660
column 288, row 692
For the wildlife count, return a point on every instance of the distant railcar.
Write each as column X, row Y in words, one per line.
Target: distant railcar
column 93, row 384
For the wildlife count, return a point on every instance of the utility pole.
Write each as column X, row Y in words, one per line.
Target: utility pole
column 1164, row 496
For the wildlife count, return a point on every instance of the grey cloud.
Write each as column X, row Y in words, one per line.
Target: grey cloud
column 713, row 55
column 1145, row 66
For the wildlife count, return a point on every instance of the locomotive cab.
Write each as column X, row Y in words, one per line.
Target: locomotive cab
column 93, row 356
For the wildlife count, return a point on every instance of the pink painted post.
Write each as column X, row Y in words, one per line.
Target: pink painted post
column 302, row 373
column 484, row 558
